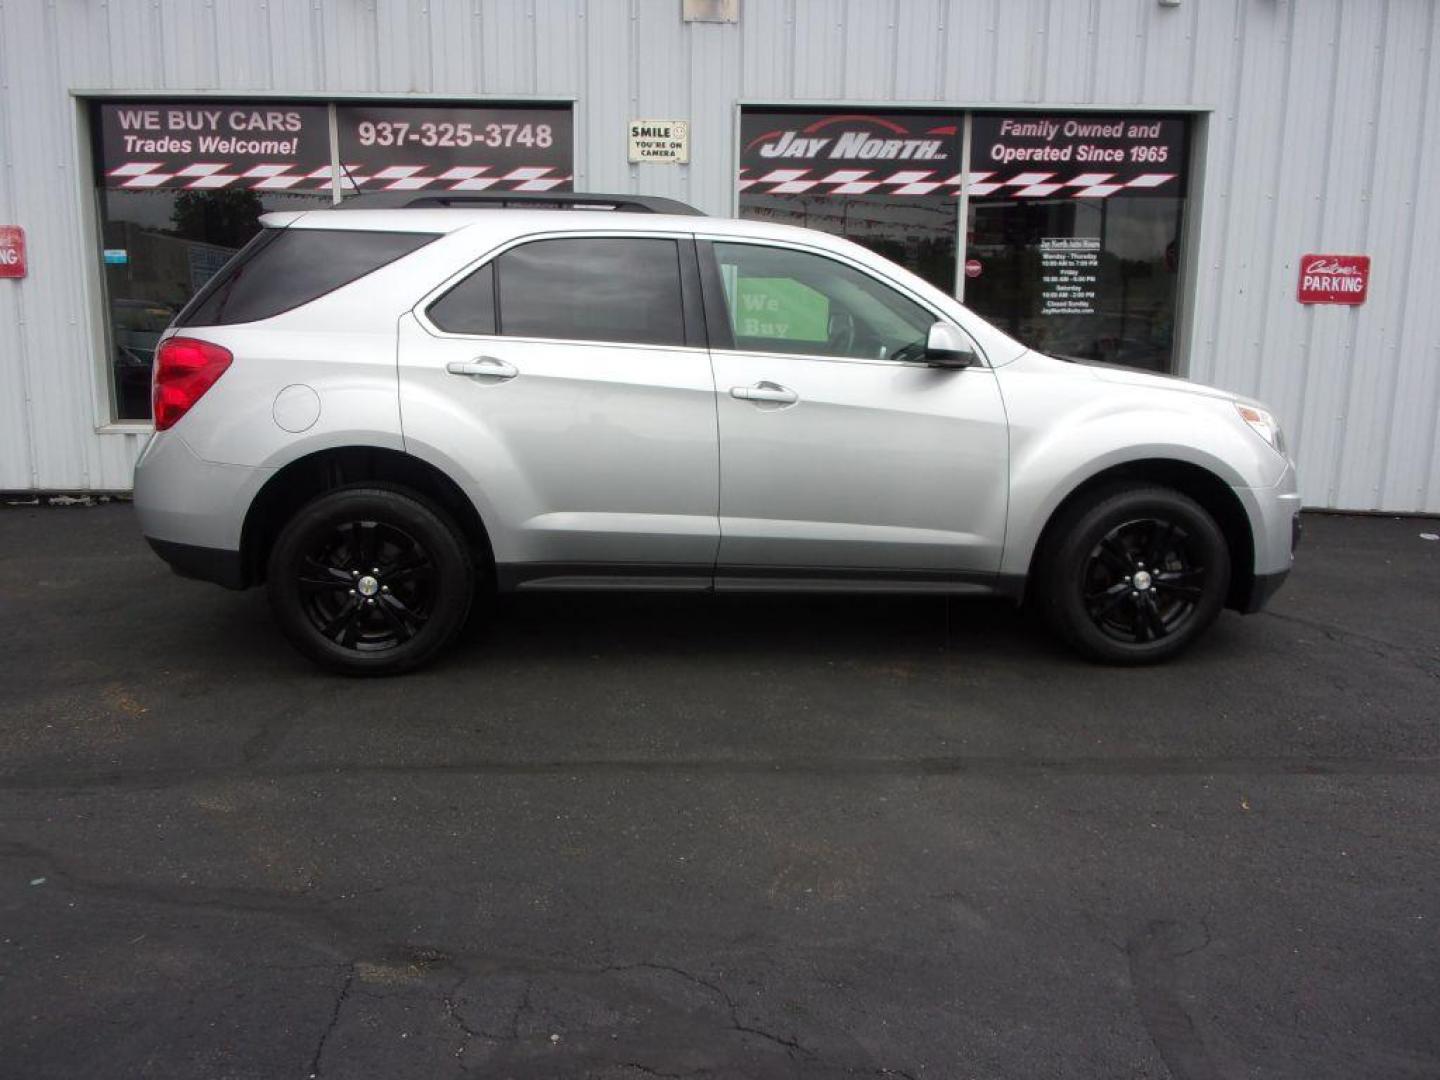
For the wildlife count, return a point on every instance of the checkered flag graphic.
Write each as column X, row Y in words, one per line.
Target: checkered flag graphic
column 212, row 176
column 1025, row 185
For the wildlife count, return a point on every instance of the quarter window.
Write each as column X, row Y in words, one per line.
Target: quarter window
column 282, row 269
column 468, row 308
column 787, row 301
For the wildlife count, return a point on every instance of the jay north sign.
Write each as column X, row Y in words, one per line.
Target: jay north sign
column 904, row 154
column 851, row 145
column 846, row 139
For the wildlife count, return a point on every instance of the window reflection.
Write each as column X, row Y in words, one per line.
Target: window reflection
column 160, row 247
column 916, row 232
column 1093, row 279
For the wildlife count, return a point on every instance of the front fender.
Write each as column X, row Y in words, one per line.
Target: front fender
column 1065, row 431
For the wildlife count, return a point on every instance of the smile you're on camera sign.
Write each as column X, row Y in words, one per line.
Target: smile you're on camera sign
column 663, row 142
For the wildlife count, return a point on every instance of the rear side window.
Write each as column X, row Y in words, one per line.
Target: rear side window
column 585, row 289
column 282, row 269
column 593, row 289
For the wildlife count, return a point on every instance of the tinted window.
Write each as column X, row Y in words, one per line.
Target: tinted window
column 795, row 302
column 468, row 308
column 283, row 268
column 593, row 289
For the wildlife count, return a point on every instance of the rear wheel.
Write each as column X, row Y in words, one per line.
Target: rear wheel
column 1135, row 575
column 370, row 581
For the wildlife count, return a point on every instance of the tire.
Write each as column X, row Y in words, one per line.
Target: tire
column 1106, row 545
column 370, row 580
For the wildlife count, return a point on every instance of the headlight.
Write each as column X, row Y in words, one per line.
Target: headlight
column 1264, row 425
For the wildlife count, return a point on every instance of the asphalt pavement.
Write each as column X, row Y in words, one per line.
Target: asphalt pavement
column 627, row 837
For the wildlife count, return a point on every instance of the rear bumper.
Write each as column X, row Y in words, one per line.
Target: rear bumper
column 192, row 511
column 201, row 563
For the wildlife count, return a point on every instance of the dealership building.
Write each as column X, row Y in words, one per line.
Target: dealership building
column 1230, row 191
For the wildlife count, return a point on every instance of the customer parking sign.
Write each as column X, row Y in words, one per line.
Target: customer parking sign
column 12, row 251
column 1334, row 279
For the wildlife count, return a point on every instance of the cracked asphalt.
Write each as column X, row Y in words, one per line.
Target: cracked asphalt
column 716, row 837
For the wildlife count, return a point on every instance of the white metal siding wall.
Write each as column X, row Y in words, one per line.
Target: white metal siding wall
column 1324, row 137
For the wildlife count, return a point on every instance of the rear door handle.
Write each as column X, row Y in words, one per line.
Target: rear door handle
column 765, row 391
column 484, row 367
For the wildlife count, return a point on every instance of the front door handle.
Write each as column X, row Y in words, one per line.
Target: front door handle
column 765, row 391
column 484, row 367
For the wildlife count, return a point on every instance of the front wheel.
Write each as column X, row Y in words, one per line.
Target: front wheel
column 1135, row 575
column 370, row 581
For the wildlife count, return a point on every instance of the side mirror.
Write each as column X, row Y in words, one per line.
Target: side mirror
column 947, row 347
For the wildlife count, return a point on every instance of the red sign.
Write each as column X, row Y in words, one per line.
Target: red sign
column 1334, row 279
column 973, row 268
column 12, row 251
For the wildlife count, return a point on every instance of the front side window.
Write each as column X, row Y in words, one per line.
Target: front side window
column 787, row 301
column 589, row 289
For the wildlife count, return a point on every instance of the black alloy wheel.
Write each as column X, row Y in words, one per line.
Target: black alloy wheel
column 370, row 580
column 367, row 585
column 1134, row 575
column 1142, row 582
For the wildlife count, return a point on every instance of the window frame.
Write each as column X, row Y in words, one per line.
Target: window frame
column 717, row 316
column 693, row 318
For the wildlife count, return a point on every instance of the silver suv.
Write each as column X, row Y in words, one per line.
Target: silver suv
column 380, row 413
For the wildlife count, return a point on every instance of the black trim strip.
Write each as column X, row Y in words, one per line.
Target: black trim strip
column 215, row 565
column 691, row 298
column 717, row 318
column 511, row 577
column 562, row 200
column 856, row 573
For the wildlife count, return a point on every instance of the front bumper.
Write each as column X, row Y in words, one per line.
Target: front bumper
column 1275, row 527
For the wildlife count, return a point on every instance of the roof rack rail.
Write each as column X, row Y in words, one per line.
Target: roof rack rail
column 561, row 200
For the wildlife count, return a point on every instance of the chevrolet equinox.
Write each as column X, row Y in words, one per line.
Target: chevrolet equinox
column 379, row 413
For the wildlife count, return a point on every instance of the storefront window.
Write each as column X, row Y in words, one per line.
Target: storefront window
column 160, row 248
column 1074, row 223
column 885, row 181
column 1074, row 233
column 181, row 187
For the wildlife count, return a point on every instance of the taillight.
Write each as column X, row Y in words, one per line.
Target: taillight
column 184, row 369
